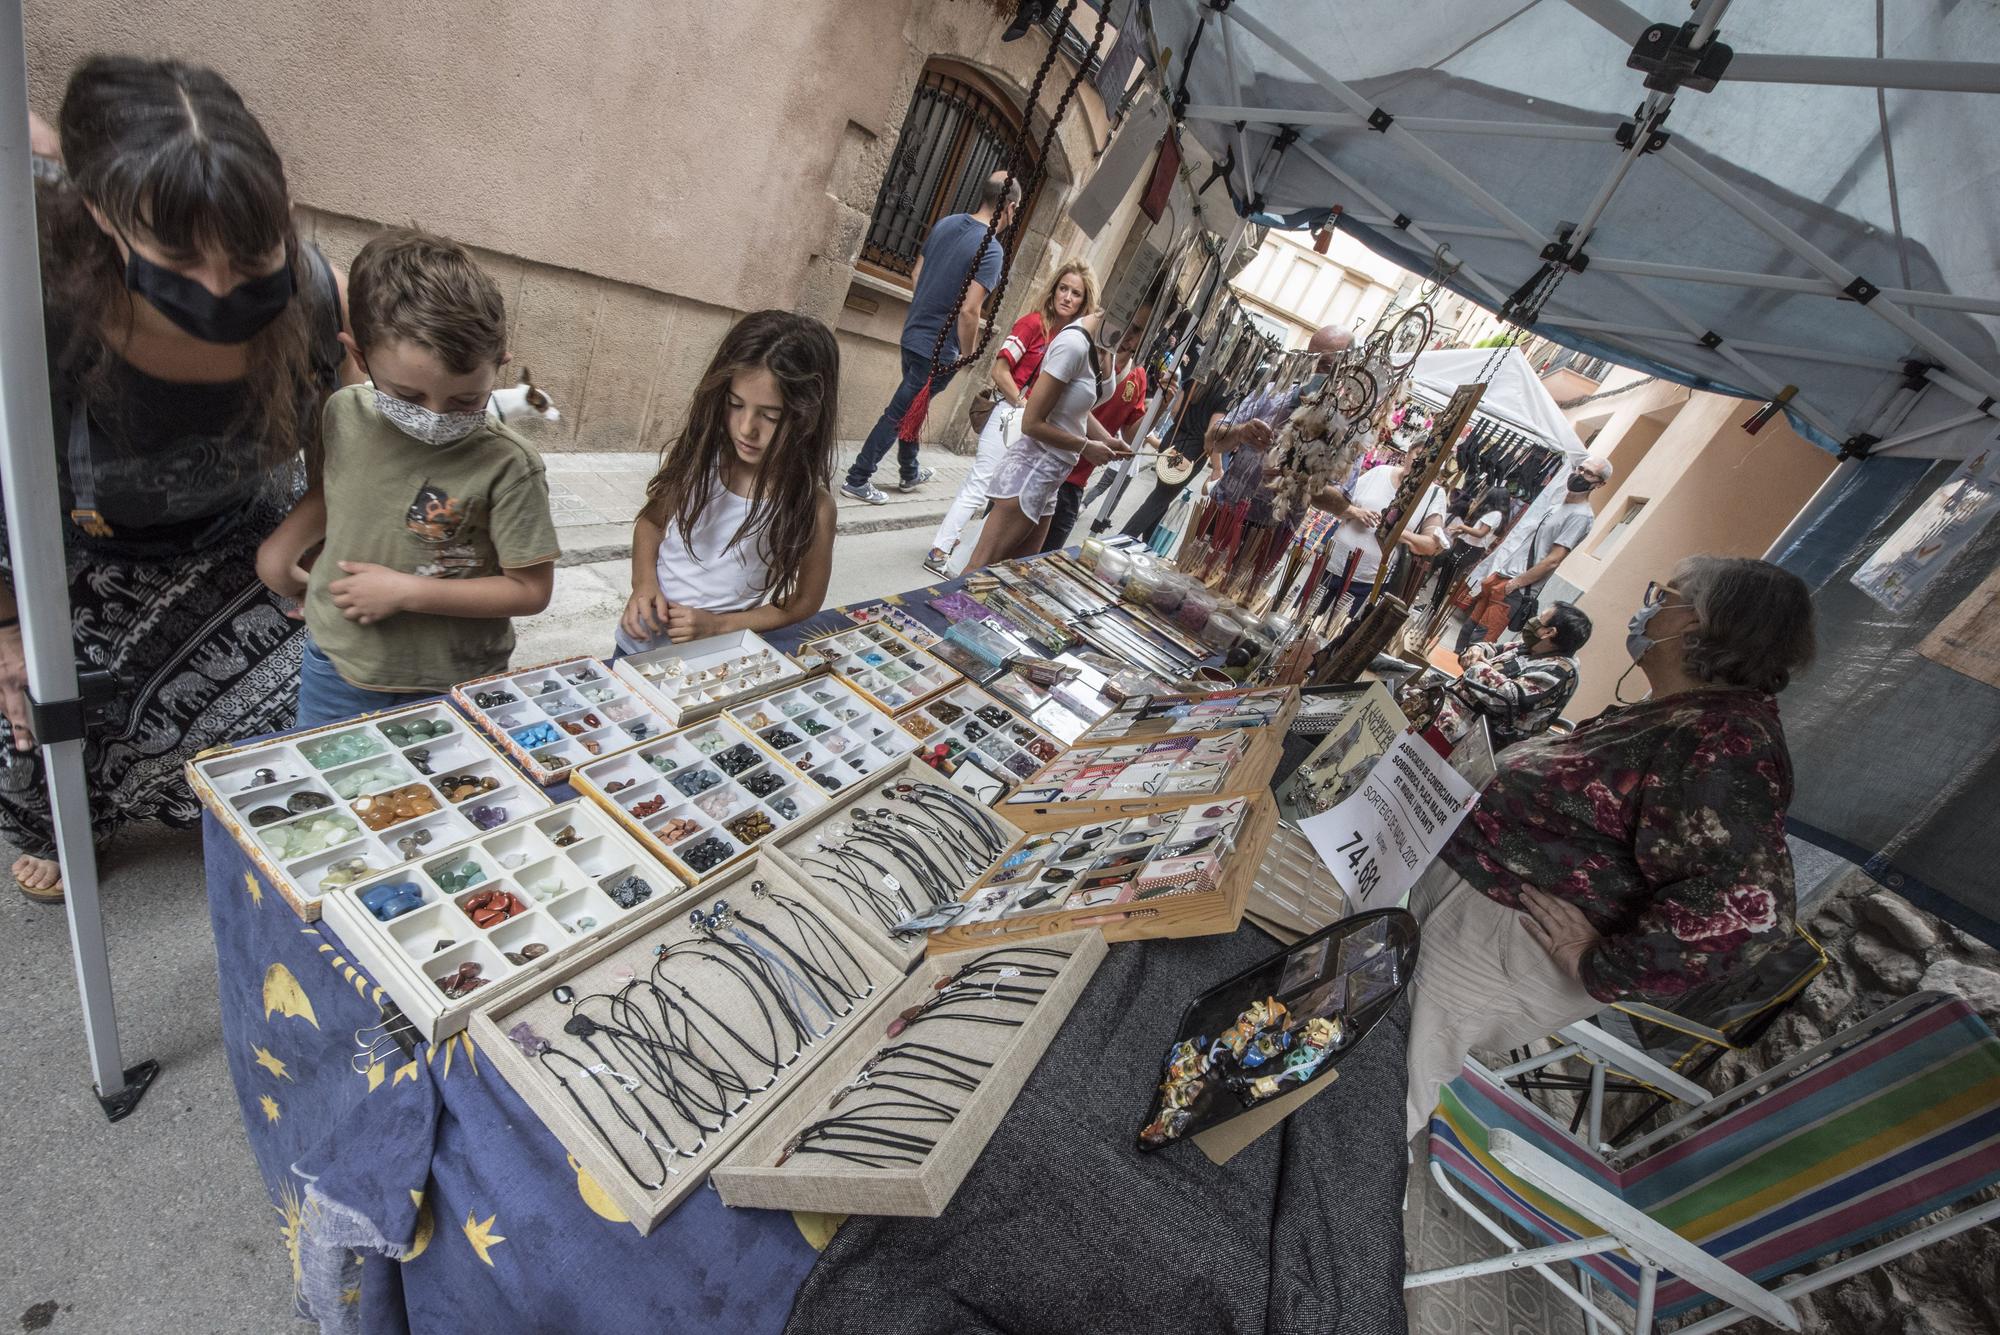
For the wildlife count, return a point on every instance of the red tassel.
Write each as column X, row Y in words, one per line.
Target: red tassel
column 913, row 416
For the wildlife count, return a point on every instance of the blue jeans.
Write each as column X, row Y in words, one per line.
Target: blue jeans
column 325, row 696
column 916, row 370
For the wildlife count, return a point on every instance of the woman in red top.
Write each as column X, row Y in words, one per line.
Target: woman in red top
column 1635, row 858
column 1073, row 293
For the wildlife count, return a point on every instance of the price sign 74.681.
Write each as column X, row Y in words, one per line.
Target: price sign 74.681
column 1382, row 837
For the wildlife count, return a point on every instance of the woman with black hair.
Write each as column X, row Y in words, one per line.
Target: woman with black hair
column 192, row 339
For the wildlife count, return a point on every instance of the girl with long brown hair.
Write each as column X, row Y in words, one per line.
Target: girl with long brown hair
column 737, row 529
column 192, row 339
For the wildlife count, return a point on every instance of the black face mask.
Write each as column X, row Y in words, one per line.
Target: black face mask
column 1582, row 482
column 235, row 317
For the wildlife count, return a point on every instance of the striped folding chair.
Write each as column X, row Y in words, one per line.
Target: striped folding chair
column 1889, row 1120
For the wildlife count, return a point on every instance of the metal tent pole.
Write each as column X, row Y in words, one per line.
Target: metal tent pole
column 41, row 591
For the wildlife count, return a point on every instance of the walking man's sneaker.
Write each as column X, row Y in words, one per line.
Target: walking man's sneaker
column 923, row 475
column 867, row 491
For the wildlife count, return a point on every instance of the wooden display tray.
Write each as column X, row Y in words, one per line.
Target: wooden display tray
column 1158, row 729
column 635, row 767
column 1249, row 777
column 391, row 951
column 218, row 778
column 593, row 970
column 751, row 1176
column 1014, row 762
column 840, row 651
column 702, row 655
column 611, row 736
column 1191, row 913
column 795, row 838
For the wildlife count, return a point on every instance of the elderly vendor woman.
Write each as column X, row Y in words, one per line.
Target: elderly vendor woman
column 1640, row 855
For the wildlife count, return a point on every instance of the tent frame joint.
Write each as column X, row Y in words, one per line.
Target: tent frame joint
column 1861, row 290
column 138, row 1079
column 1857, row 446
column 1379, row 121
column 64, row 720
column 1671, row 60
column 1710, row 340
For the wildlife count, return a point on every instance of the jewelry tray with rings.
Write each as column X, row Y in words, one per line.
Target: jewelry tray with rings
column 545, row 887
column 554, row 717
column 771, row 1169
column 892, row 672
column 702, row 796
column 690, row 682
column 1129, row 778
column 825, row 729
column 332, row 783
column 1171, row 872
column 822, row 847
column 971, row 725
column 582, row 1057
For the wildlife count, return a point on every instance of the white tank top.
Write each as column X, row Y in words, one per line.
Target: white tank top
column 710, row 571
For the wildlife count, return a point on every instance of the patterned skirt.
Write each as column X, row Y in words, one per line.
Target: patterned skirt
column 202, row 653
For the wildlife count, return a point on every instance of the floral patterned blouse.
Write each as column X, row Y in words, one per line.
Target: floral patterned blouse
column 1664, row 822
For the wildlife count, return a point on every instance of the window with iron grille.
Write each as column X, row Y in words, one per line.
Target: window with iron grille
column 959, row 130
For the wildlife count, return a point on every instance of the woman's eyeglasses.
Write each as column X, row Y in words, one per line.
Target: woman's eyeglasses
column 1658, row 593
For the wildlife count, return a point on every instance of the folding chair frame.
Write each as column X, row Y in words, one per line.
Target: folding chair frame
column 1650, row 1245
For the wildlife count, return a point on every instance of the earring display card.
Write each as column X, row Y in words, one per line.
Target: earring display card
column 897, row 619
column 966, row 724
column 1345, row 755
column 893, row 673
column 555, row 717
column 907, row 842
column 504, row 904
column 755, row 990
column 321, row 809
column 690, row 682
column 1280, row 1025
column 702, row 796
column 827, row 730
column 1149, row 717
column 1176, row 871
column 967, row 1072
column 1102, row 781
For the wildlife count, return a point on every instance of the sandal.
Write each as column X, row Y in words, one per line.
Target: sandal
column 51, row 895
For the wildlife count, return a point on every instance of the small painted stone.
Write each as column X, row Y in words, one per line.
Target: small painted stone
column 785, row 807
column 344, row 872
column 410, row 843
column 550, row 688
column 301, row 802
column 467, row 979
column 566, row 836
column 489, row 817
column 263, row 776
column 550, row 760
column 696, row 781
column 652, row 806
column 263, row 816
column 678, row 829
column 664, row 764
column 494, row 699
column 810, row 726
column 784, row 738
column 420, row 757
column 827, row 781
column 763, row 785
column 564, row 994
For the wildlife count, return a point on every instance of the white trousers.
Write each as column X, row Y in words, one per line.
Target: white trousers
column 1482, row 985
column 1001, row 429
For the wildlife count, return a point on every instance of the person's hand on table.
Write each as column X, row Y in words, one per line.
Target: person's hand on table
column 369, row 593
column 646, row 614
column 14, row 687
column 1560, row 928
column 686, row 623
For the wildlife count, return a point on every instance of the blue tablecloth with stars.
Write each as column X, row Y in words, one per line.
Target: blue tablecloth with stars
column 373, row 1156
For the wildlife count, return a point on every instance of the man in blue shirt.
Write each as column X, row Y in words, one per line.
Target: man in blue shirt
column 934, row 299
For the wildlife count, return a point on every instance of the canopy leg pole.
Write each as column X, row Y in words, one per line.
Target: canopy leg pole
column 41, row 589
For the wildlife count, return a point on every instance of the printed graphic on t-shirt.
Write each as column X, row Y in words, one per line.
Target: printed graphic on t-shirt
column 437, row 519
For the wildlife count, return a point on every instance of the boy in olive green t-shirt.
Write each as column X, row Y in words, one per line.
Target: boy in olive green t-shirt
column 434, row 517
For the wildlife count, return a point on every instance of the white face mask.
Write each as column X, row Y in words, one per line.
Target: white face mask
column 432, row 428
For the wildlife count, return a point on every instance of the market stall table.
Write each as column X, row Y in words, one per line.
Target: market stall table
column 371, row 1154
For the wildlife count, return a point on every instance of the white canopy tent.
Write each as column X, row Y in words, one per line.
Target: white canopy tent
column 1814, row 221
column 1514, row 394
